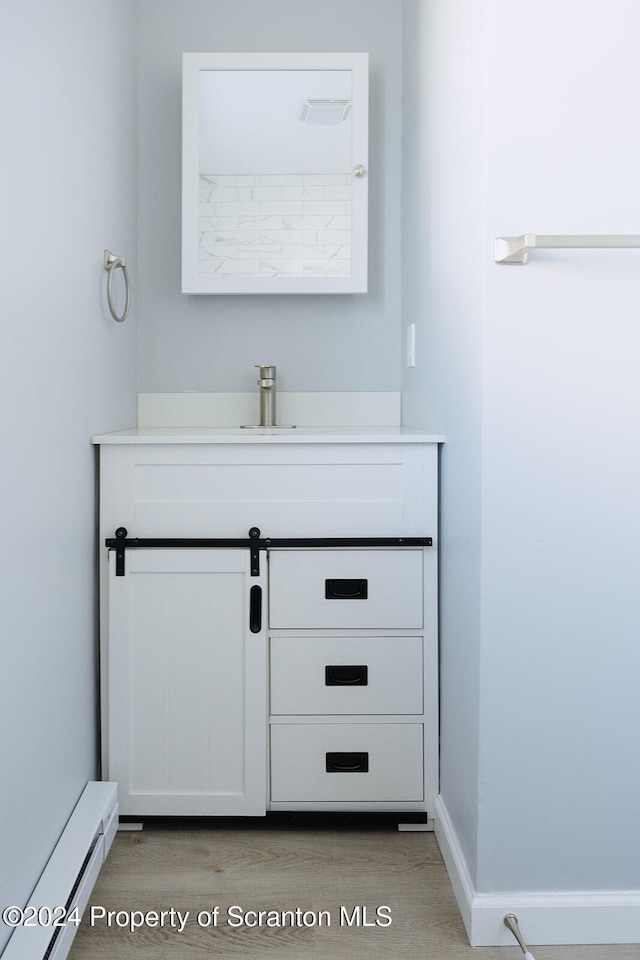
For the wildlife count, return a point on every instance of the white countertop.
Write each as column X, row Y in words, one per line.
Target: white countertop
column 266, row 435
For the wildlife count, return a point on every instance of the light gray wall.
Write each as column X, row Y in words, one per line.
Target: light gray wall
column 560, row 710
column 211, row 343
column 67, row 371
column 443, row 142
column 532, row 373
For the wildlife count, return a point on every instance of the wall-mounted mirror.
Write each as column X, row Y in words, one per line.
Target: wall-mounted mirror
column 274, row 173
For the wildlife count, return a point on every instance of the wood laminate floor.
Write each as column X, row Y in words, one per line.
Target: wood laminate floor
column 283, row 868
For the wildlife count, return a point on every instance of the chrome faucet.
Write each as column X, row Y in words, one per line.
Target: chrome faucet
column 267, row 384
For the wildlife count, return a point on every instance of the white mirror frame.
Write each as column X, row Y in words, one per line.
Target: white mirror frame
column 196, row 283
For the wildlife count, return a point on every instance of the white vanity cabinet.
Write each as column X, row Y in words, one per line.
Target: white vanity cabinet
column 298, row 676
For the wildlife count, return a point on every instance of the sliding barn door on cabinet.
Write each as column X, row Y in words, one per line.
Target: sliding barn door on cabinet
column 187, row 683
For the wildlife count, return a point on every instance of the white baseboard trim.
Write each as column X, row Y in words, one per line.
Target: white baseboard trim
column 70, row 873
column 455, row 862
column 579, row 917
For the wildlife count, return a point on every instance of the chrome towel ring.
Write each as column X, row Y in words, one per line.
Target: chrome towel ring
column 111, row 263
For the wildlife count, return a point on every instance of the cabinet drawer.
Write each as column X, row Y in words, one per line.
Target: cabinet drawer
column 346, row 675
column 346, row 762
column 367, row 589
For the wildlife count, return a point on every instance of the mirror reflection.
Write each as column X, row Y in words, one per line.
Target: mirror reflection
column 275, row 174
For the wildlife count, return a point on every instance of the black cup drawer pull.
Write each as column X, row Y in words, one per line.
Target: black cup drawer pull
column 339, row 675
column 346, row 589
column 347, row 762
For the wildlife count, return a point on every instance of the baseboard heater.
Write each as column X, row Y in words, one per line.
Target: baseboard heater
column 70, row 874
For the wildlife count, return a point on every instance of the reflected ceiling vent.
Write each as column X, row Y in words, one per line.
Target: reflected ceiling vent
column 324, row 111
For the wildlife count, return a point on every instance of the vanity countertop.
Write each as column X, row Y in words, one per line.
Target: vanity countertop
column 138, row 435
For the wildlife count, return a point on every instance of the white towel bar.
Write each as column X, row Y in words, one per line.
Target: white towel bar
column 515, row 249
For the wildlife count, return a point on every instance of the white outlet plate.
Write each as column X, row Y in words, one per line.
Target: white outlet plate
column 411, row 345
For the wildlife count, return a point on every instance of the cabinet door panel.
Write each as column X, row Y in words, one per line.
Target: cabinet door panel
column 279, row 140
column 187, row 701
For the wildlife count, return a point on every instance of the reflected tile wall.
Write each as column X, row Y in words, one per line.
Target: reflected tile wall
column 289, row 225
